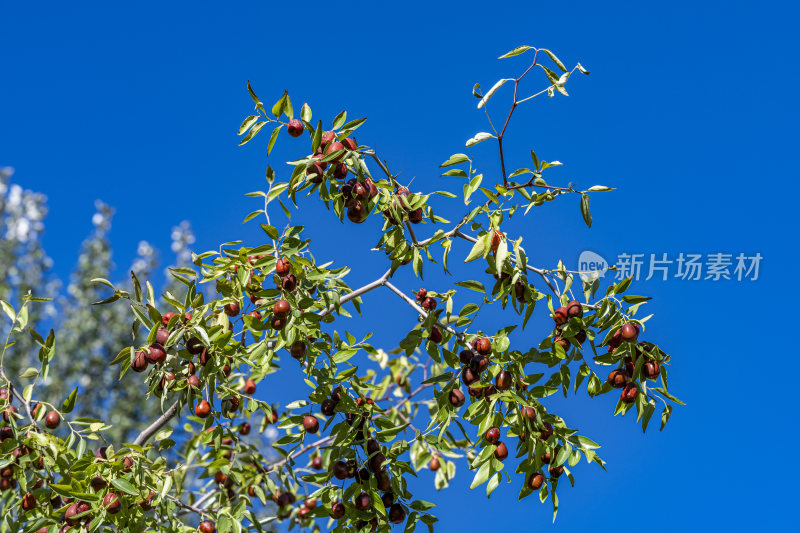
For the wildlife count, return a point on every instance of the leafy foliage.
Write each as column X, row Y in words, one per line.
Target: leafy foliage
column 353, row 442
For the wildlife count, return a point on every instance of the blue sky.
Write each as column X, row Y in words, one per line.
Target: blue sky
column 688, row 112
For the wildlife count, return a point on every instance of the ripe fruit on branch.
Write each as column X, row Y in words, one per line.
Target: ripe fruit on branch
column 206, row 527
column 340, row 470
column 311, row 424
column 28, row 502
column 545, row 457
column 162, row 335
column 139, row 363
column 194, row 346
column 519, row 290
column 618, row 378
column 202, row 409
column 651, row 369
column 298, row 350
column 429, row 304
column 535, row 481
column 415, row 216
column 316, row 463
column 332, row 147
column 231, row 309
column 249, row 387
column 497, row 238
column 327, row 137
column 493, row 435
column 421, row 295
column 193, row 382
column 363, row 501
column 357, row 213
column 340, row 171
column 111, row 503
column 562, row 341
column 479, row 363
column 328, row 407
column 468, row 377
column 503, row 380
column 581, row 336
column 574, row 309
column 295, row 128
column 69, row 515
column 501, row 452
column 166, row 317
column 156, row 354
column 465, row 356
column 52, row 420
column 373, row 446
column 281, row 308
column 560, row 316
column 376, row 462
column 315, row 171
column 349, row 144
column 337, row 510
column 629, row 332
column 282, row 267
column 278, row 323
column 629, row 393
column 547, row 433
column 483, row 346
column 396, row 513
column 456, row 398
column 434, row 464
column 244, row 429
column 556, row 471
column 362, row 476
column 436, row 335
column 529, row 413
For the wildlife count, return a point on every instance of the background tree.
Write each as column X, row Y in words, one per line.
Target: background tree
column 90, row 334
column 351, row 444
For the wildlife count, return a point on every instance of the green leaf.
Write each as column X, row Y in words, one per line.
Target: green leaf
column 272, row 138
column 482, row 474
column 493, row 90
column 555, row 60
column 516, row 51
column 664, row 391
column 69, row 403
column 477, row 251
column 246, row 123
column 305, row 113
column 600, row 188
column 252, row 93
column 339, row 120
column 277, row 109
column 125, row 486
column 439, row 379
column 472, row 285
column 8, row 310
column 455, row 159
column 587, row 215
column 479, row 137
column 420, row 505
column 252, row 133
column 501, row 255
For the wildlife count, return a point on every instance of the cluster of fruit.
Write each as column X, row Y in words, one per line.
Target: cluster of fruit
column 622, row 378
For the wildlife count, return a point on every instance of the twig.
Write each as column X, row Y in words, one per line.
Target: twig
column 26, row 404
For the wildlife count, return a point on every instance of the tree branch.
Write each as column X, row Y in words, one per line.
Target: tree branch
column 420, row 310
column 160, row 422
column 358, row 292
